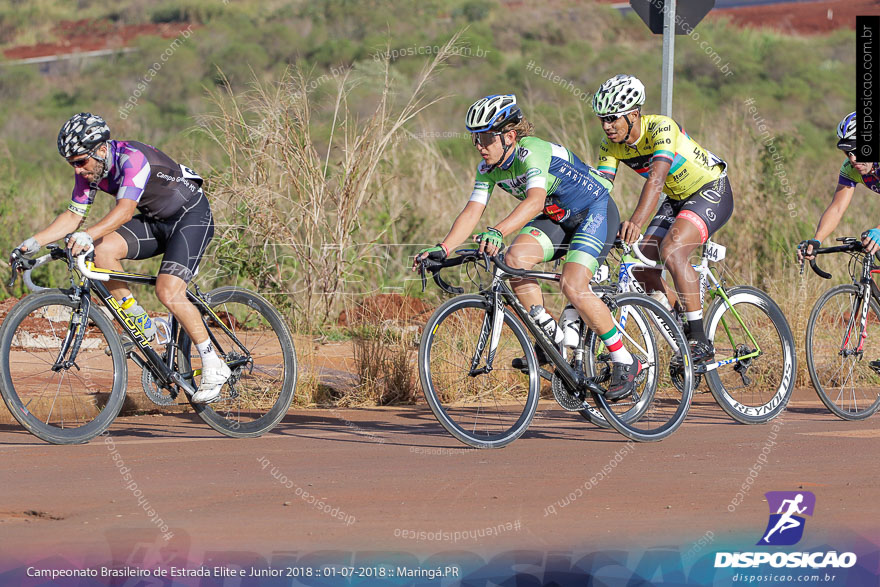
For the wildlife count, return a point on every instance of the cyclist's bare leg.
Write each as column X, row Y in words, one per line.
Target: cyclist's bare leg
column 651, row 279
column 171, row 291
column 575, row 284
column 524, row 253
column 675, row 251
column 110, row 249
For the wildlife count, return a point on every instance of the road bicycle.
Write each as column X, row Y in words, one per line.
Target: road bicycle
column 843, row 337
column 753, row 376
column 63, row 369
column 468, row 347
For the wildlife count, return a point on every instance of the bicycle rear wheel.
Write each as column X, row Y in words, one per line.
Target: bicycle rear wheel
column 482, row 408
column 837, row 359
column 659, row 404
column 64, row 405
column 758, row 385
column 261, row 388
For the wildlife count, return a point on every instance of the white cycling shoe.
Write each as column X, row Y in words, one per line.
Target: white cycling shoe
column 212, row 382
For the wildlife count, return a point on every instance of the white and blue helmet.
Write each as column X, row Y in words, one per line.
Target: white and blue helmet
column 492, row 113
column 846, row 133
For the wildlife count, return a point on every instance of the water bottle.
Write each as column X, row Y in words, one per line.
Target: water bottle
column 661, row 297
column 547, row 323
column 570, row 321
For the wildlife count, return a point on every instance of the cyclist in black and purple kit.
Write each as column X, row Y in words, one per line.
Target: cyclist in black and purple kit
column 174, row 219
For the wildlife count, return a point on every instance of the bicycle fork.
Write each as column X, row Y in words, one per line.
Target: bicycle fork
column 76, row 330
column 490, row 332
column 861, row 305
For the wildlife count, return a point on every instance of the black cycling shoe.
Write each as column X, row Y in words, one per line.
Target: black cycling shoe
column 875, row 365
column 521, row 363
column 623, row 380
column 701, row 352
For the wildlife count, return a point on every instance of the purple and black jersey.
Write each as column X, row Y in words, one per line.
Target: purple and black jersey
column 160, row 186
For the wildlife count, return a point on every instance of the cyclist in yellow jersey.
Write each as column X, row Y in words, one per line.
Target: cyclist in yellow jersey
column 698, row 199
column 852, row 173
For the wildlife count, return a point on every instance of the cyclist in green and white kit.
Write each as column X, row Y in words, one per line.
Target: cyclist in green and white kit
column 565, row 210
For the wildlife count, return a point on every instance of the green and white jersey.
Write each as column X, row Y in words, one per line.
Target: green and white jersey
column 571, row 184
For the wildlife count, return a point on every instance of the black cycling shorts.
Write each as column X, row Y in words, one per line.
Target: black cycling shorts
column 709, row 208
column 182, row 238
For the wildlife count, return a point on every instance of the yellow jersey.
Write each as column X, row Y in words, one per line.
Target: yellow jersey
column 663, row 138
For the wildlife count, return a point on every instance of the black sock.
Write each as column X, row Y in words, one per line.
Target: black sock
column 696, row 332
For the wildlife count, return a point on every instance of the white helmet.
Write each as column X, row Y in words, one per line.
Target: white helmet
column 619, row 94
column 492, row 113
column 846, row 132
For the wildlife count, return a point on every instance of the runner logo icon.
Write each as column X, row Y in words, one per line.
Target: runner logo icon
column 786, row 524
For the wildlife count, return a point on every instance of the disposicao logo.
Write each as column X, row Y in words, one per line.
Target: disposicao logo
column 786, row 524
column 785, row 528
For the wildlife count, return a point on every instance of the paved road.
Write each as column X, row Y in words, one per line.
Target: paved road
column 387, row 474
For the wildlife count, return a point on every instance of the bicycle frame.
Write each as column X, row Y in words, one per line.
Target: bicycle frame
column 709, row 283
column 499, row 292
column 867, row 290
column 89, row 278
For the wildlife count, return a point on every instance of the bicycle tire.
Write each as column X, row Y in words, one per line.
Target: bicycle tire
column 256, row 409
column 451, row 336
column 862, row 399
column 594, row 357
column 668, row 405
column 39, row 341
column 766, row 390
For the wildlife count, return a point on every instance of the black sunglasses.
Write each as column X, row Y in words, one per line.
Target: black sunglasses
column 79, row 162
column 484, row 139
column 84, row 160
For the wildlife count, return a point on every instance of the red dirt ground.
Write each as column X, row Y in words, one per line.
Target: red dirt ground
column 88, row 35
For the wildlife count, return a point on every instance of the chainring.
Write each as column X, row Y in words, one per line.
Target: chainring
column 567, row 400
column 157, row 395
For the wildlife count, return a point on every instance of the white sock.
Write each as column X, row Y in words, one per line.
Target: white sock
column 208, row 354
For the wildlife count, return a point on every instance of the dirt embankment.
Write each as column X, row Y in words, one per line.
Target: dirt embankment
column 94, row 35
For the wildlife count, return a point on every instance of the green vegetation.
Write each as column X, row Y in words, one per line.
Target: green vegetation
column 211, row 106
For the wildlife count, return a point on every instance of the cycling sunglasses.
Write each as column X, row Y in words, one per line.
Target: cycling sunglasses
column 484, row 139
column 612, row 118
column 81, row 162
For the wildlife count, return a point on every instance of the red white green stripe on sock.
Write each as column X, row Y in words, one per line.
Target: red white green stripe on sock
column 614, row 343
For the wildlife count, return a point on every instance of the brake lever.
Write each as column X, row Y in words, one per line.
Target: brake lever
column 423, row 276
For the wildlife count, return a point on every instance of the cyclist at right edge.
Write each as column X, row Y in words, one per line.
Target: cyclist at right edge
column 852, row 173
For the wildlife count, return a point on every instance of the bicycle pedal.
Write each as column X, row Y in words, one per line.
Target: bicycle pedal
column 875, row 366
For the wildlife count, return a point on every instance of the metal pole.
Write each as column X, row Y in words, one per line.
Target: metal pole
column 668, row 56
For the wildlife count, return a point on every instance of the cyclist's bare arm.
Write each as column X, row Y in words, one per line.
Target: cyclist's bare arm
column 64, row 224
column 832, row 215
column 524, row 211
column 631, row 229
column 464, row 225
column 121, row 213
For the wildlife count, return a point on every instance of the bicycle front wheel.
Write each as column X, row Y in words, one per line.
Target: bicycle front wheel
column 61, row 404
column 483, row 405
column 752, row 333
column 664, row 388
column 837, row 360
column 251, row 336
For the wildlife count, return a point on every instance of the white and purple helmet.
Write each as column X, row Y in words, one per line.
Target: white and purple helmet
column 81, row 134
